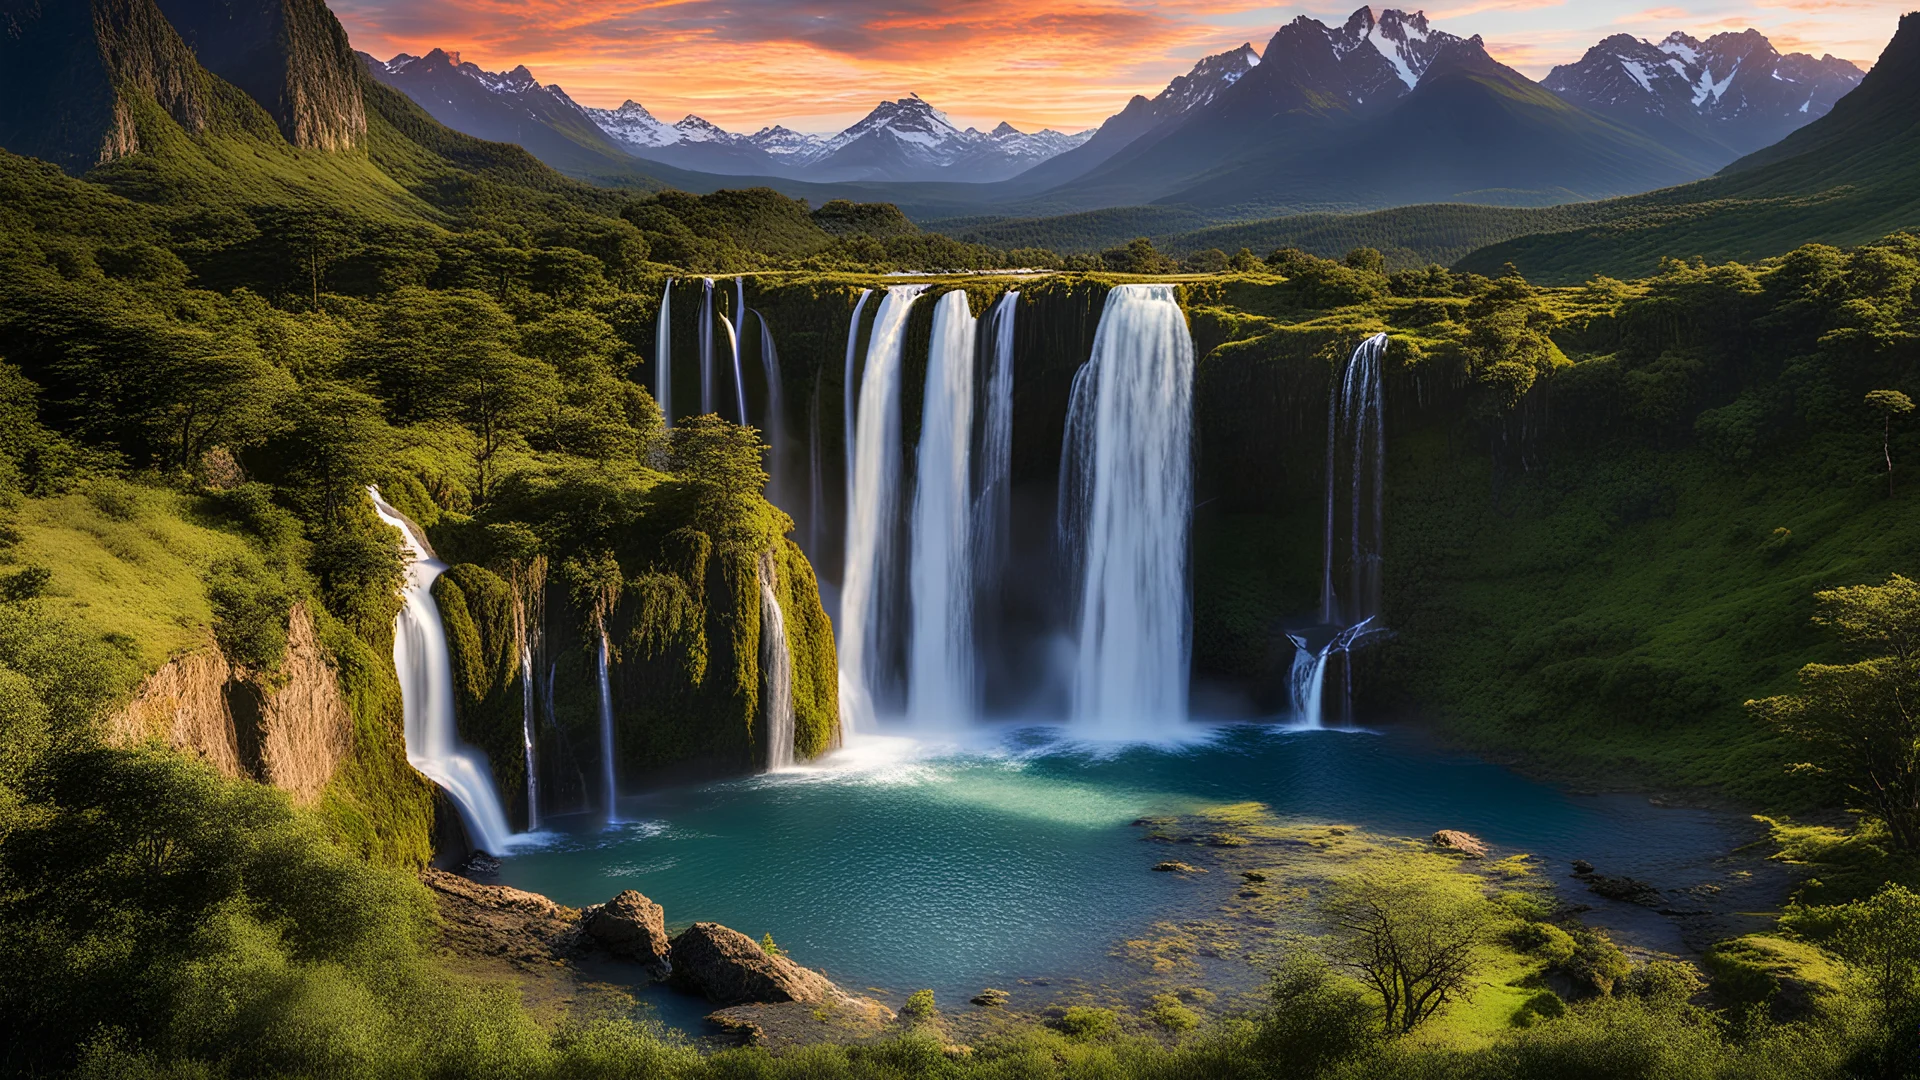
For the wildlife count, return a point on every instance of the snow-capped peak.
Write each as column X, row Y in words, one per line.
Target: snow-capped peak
column 1205, row 82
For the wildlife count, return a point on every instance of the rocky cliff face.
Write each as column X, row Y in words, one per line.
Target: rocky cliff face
column 291, row 730
column 291, row 56
column 78, row 75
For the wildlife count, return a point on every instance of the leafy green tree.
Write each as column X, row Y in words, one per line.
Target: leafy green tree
column 1209, row 261
column 1880, row 937
column 1860, row 722
column 1138, row 257
column 1244, row 261
column 1888, row 404
column 1367, row 259
column 1412, row 939
column 720, row 464
column 1315, row 1020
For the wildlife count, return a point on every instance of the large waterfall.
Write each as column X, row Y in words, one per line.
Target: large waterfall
column 608, row 774
column 940, row 668
column 1130, row 442
column 663, row 356
column 706, row 347
column 993, row 507
column 1356, row 488
column 848, row 397
column 425, row 668
column 776, row 667
column 873, row 501
column 739, row 384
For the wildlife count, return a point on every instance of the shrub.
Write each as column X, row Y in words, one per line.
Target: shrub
column 1085, row 1022
column 1169, row 1013
column 920, row 1006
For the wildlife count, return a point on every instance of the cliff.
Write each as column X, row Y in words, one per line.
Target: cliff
column 290, row 56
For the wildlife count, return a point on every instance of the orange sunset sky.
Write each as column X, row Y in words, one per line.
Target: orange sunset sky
column 816, row 65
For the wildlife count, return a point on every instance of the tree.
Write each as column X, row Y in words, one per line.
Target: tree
column 1244, row 261
column 1413, row 939
column 1889, row 404
column 1138, row 257
column 1861, row 721
column 1210, row 261
column 1367, row 259
column 1317, row 1020
column 720, row 463
column 1880, row 937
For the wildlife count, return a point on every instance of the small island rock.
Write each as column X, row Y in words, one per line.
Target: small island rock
column 633, row 927
column 1465, row 843
column 730, row 968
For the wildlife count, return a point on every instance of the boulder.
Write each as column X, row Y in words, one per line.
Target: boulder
column 729, row 968
column 1464, row 843
column 1178, row 868
column 635, row 928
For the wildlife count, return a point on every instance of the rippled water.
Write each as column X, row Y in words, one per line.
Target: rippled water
column 903, row 865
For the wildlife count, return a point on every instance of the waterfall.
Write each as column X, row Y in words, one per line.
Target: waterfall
column 872, row 508
column 606, row 729
column 993, row 513
column 706, row 347
column 663, row 356
column 740, row 326
column 816, row 480
column 739, row 384
column 1132, row 450
column 425, row 668
column 774, row 416
column 1356, row 437
column 776, row 668
column 940, row 667
column 849, row 399
column 526, row 733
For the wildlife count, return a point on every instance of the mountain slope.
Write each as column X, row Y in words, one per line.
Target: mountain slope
column 290, row 56
column 1851, row 176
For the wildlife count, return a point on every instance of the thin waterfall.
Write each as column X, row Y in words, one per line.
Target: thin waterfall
column 1356, row 438
column 776, row 668
column 816, row 480
column 773, row 420
column 849, row 401
column 606, row 729
column 872, row 508
column 425, row 667
column 993, row 507
column 526, row 733
column 740, row 329
column 706, row 347
column 940, row 662
column 663, row 356
column 1133, row 447
column 739, row 384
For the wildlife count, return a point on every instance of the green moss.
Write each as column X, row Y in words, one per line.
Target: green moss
column 1791, row 977
column 816, row 665
column 376, row 804
column 477, row 608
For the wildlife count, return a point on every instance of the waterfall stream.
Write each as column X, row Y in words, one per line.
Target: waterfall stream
column 706, row 346
column 993, row 506
column 606, row 729
column 773, row 420
column 940, row 664
column 425, row 668
column 1130, row 441
column 663, row 356
column 739, row 384
column 866, row 627
column 776, row 668
column 850, row 399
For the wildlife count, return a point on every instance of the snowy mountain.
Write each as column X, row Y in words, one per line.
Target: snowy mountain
column 1734, row 89
column 909, row 139
column 690, row 143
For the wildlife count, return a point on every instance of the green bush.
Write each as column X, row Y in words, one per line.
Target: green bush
column 920, row 1006
column 1086, row 1022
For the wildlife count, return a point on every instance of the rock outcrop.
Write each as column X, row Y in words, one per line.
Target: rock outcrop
column 290, row 56
column 524, row 928
column 633, row 927
column 292, row 730
column 729, row 968
column 1463, row 843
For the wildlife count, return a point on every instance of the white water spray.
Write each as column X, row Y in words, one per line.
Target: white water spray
column 739, row 384
column 663, row 356
column 606, row 730
column 940, row 664
column 776, row 668
column 1132, row 449
column 850, row 400
column 706, row 347
column 872, row 509
column 425, row 668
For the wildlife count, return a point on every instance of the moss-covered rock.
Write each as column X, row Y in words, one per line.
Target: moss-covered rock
column 477, row 608
column 1790, row 978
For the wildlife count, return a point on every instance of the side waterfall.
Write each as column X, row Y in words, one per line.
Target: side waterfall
column 606, row 729
column 663, row 356
column 849, row 399
column 740, row 328
column 993, row 507
column 706, row 347
column 816, row 480
column 425, row 668
column 773, row 420
column 526, row 732
column 1356, row 438
column 739, row 384
column 776, row 664
column 1131, row 444
column 872, row 511
column 940, row 664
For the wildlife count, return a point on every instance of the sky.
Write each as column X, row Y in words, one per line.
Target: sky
column 819, row 65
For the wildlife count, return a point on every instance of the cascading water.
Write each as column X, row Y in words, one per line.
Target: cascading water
column 740, row 328
column 849, row 399
column 425, row 668
column 940, row 665
column 526, row 734
column 773, row 421
column 706, row 347
column 872, row 505
column 663, row 356
column 1356, row 438
column 776, row 664
column 993, row 508
column 739, row 384
column 816, row 481
column 606, row 730
column 1131, row 444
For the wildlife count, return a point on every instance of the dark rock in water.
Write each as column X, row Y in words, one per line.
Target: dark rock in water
column 1465, row 843
column 1178, row 868
column 1253, row 875
column 730, row 968
column 1582, row 868
column 1631, row 890
column 633, row 927
column 990, row 998
column 480, row 864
